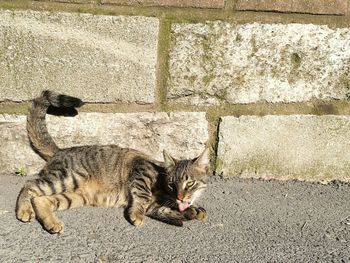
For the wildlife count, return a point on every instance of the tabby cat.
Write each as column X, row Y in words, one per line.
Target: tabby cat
column 106, row 176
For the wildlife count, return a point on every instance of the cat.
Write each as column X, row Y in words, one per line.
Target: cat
column 106, row 176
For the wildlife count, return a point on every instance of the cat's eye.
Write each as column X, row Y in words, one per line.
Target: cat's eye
column 190, row 184
column 171, row 186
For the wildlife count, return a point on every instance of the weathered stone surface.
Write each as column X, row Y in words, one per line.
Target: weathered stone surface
column 305, row 147
column 337, row 7
column 219, row 62
column 98, row 58
column 181, row 134
column 71, row 1
column 176, row 3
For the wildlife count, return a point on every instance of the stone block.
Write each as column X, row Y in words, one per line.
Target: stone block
column 97, row 58
column 304, row 147
column 324, row 7
column 218, row 62
column 182, row 134
column 174, row 3
column 72, row 1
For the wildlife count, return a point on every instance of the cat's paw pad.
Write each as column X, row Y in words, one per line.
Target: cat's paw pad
column 54, row 227
column 136, row 219
column 201, row 213
column 25, row 212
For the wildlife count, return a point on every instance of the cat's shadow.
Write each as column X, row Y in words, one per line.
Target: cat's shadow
column 62, row 111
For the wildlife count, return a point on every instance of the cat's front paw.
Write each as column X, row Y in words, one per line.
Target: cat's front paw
column 136, row 219
column 201, row 213
column 190, row 213
column 55, row 227
column 25, row 212
column 198, row 213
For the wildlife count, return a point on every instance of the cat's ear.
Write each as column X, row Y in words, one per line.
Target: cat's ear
column 203, row 161
column 168, row 160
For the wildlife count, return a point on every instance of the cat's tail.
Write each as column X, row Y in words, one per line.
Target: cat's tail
column 38, row 135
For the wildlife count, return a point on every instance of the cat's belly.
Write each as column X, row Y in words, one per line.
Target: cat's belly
column 99, row 195
column 111, row 199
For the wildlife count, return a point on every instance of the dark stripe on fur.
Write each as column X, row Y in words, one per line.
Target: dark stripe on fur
column 85, row 201
column 69, row 201
column 49, row 183
column 58, row 203
column 75, row 183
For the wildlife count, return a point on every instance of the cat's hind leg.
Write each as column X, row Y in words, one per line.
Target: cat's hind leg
column 48, row 183
column 31, row 189
column 45, row 206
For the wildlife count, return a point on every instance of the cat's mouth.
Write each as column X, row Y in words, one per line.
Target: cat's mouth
column 183, row 205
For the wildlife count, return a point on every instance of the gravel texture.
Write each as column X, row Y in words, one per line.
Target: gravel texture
column 249, row 221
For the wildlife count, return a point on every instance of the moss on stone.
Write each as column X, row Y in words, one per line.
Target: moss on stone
column 207, row 79
column 263, row 108
column 238, row 37
column 222, row 94
column 219, row 164
column 207, row 58
column 296, row 60
column 180, row 14
column 164, row 40
column 294, row 74
column 255, row 48
column 22, row 107
column 14, row 108
column 268, row 167
column 213, row 140
column 344, row 81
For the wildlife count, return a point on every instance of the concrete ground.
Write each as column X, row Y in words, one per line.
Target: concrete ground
column 249, row 221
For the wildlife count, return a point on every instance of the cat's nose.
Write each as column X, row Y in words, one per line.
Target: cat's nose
column 180, row 196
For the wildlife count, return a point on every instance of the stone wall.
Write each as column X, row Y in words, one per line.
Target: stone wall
column 265, row 84
column 333, row 7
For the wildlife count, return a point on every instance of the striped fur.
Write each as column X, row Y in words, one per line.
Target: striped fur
column 106, row 176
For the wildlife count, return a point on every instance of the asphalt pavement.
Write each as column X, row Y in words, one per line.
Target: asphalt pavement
column 248, row 221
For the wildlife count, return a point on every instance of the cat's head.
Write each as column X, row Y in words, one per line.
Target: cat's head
column 186, row 179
